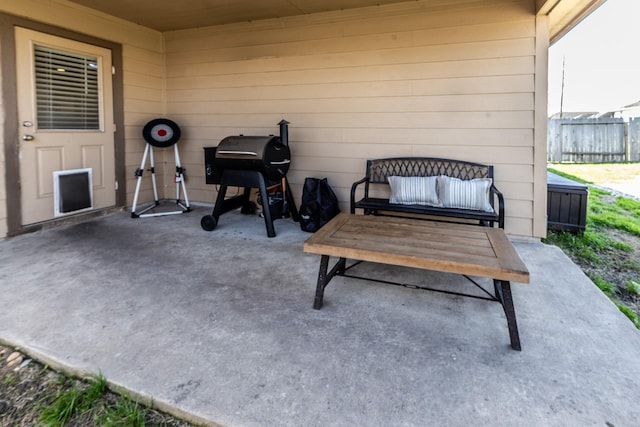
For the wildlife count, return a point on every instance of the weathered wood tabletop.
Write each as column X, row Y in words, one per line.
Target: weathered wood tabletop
column 430, row 245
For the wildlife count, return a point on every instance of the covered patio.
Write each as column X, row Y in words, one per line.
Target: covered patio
column 219, row 328
column 357, row 79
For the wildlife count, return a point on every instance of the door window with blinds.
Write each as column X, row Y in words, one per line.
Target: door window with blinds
column 67, row 90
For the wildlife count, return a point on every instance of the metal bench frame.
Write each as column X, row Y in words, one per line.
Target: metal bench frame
column 379, row 170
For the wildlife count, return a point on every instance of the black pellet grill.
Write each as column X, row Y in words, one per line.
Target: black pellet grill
column 249, row 162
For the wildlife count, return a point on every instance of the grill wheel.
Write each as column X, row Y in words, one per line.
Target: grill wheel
column 208, row 223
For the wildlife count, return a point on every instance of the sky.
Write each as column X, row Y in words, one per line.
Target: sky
column 601, row 61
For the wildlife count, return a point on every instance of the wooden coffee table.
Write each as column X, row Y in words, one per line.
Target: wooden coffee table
column 470, row 250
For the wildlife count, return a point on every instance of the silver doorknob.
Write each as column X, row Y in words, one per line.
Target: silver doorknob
column 27, row 137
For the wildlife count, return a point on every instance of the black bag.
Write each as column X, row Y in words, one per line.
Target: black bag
column 319, row 204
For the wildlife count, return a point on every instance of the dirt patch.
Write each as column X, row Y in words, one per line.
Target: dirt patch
column 626, row 268
column 27, row 386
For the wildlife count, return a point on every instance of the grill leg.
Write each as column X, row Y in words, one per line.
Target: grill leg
column 291, row 201
column 217, row 208
column 503, row 293
column 268, row 222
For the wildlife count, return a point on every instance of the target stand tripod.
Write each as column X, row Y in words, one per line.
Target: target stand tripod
column 160, row 133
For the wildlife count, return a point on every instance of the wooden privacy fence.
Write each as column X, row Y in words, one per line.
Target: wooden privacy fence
column 593, row 140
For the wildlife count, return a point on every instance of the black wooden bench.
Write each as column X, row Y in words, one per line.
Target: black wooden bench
column 467, row 175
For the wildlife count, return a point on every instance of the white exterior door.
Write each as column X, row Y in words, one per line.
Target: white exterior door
column 65, row 112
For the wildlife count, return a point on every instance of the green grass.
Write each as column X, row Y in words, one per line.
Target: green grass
column 607, row 212
column 89, row 401
column 586, row 247
column 629, row 313
column 124, row 413
column 10, row 379
column 631, row 264
column 623, row 214
column 595, row 247
column 567, row 175
column 633, row 287
column 609, row 289
column 73, row 401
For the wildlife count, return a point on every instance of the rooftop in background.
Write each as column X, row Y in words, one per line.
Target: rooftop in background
column 631, row 110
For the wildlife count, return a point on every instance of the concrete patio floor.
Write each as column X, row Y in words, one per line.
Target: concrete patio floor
column 219, row 328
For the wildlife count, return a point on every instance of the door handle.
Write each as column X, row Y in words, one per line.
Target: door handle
column 27, row 137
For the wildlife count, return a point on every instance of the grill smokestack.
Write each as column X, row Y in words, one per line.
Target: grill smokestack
column 284, row 132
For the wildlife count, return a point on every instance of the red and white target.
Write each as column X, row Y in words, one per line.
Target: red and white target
column 161, row 132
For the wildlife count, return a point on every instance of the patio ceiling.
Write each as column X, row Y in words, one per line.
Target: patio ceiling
column 169, row 15
column 565, row 14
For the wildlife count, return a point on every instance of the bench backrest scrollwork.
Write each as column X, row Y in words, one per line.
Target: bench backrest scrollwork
column 378, row 170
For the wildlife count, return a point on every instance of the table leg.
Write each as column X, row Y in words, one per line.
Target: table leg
column 325, row 277
column 503, row 293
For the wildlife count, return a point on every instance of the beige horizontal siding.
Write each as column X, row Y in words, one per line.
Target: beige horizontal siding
column 143, row 65
column 413, row 104
column 446, row 86
column 143, row 77
column 433, row 79
column 520, row 209
column 385, row 56
column 374, row 73
column 518, row 226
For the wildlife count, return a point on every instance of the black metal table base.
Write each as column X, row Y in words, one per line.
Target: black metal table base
column 502, row 292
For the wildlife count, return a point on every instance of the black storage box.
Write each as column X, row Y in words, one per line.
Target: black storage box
column 566, row 204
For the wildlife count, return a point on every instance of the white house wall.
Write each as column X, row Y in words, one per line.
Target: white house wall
column 439, row 79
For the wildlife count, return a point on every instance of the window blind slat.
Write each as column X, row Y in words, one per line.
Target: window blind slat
column 67, row 91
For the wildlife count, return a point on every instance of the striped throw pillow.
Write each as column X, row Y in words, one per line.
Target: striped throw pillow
column 465, row 194
column 414, row 190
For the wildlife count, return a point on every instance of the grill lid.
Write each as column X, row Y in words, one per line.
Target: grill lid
column 266, row 154
column 241, row 146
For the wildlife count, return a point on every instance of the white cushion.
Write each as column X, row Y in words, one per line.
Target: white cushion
column 465, row 194
column 414, row 190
